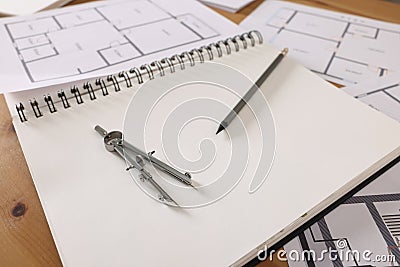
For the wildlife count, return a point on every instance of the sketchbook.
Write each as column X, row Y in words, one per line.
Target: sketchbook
column 101, row 214
column 368, row 220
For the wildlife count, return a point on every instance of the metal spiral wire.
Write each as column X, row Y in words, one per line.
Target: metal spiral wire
column 138, row 75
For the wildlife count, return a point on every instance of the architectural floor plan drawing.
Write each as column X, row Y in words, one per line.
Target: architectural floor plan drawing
column 342, row 48
column 382, row 94
column 124, row 36
column 369, row 220
column 92, row 38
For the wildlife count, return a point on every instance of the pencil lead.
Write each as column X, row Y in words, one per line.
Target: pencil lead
column 220, row 128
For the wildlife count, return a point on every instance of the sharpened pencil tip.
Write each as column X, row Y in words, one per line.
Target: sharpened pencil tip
column 220, row 128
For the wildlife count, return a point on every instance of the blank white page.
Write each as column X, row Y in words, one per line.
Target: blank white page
column 98, row 216
column 28, row 7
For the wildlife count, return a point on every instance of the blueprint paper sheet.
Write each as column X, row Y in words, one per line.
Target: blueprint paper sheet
column 370, row 220
column 382, row 94
column 100, row 38
column 22, row 7
column 342, row 48
column 228, row 5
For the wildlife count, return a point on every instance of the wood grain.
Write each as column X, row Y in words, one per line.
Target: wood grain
column 25, row 238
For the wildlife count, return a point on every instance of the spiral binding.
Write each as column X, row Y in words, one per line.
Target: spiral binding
column 103, row 85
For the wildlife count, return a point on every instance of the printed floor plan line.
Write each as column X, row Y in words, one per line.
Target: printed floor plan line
column 114, row 37
column 284, row 19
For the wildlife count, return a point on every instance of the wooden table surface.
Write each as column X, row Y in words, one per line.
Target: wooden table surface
column 25, row 238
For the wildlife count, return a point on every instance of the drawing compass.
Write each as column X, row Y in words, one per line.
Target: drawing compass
column 114, row 142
